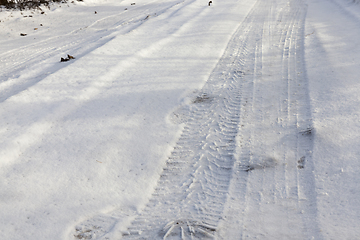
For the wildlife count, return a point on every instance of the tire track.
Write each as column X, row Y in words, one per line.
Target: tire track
column 242, row 167
column 276, row 196
column 189, row 198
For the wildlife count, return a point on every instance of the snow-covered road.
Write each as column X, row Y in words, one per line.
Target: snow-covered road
column 179, row 120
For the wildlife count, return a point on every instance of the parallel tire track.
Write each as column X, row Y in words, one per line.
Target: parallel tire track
column 246, row 143
column 276, row 197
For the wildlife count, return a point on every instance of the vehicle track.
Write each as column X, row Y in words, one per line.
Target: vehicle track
column 245, row 150
column 279, row 185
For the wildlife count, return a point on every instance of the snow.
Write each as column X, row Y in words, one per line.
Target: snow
column 333, row 65
column 90, row 136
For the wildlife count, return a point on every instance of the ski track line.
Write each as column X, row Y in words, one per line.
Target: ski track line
column 242, row 167
column 78, row 42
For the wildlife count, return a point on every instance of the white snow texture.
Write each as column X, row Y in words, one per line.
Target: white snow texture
column 180, row 119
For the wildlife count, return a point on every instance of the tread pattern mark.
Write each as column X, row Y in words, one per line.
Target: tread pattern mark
column 188, row 202
column 280, row 191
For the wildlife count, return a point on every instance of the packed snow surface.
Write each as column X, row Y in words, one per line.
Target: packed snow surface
column 180, row 119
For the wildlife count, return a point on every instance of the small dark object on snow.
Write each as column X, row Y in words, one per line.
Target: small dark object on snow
column 23, row 34
column 248, row 168
column 95, row 12
column 210, row 3
column 301, row 163
column 308, row 131
column 203, row 98
column 67, row 59
column 133, row 4
column 42, row 12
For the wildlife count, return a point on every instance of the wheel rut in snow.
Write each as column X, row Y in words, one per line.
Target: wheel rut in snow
column 246, row 142
column 193, row 188
column 275, row 196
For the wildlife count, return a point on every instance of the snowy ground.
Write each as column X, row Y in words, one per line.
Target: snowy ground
column 175, row 119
